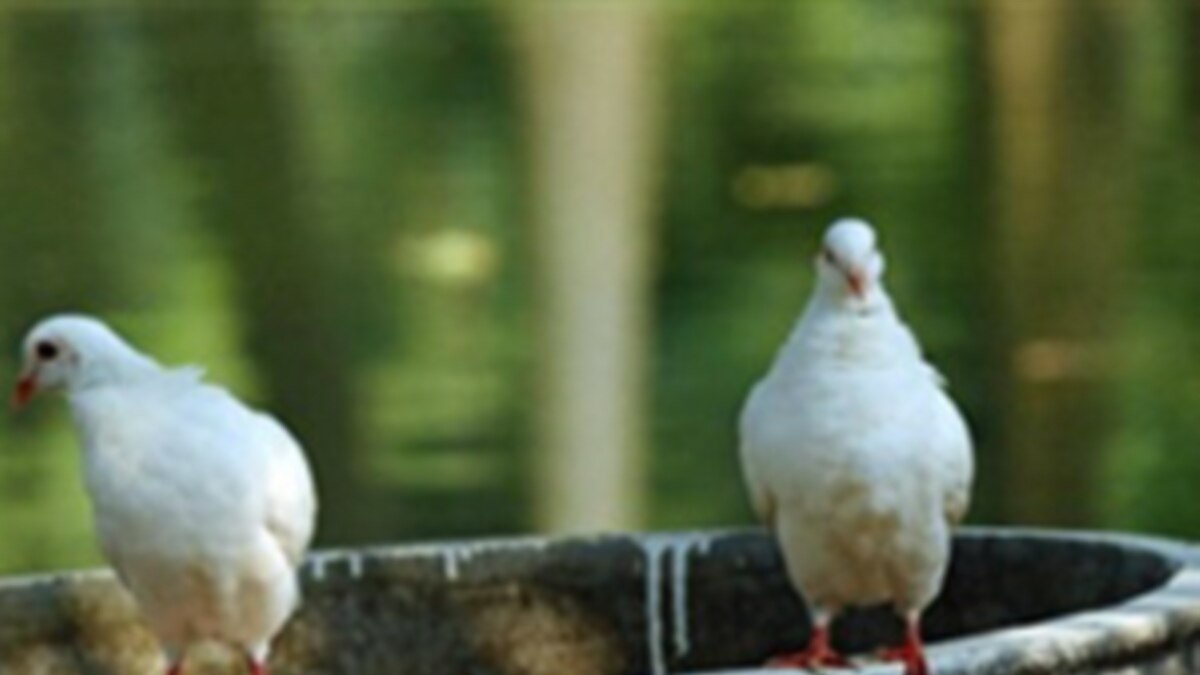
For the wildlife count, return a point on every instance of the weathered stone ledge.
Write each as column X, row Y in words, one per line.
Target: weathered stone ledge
column 1016, row 601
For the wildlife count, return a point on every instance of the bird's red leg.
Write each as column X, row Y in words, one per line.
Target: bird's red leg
column 912, row 652
column 175, row 661
column 255, row 666
column 819, row 653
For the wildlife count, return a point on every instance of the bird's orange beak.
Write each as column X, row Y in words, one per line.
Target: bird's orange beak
column 25, row 389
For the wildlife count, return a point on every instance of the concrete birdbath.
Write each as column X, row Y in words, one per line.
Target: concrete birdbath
column 716, row 602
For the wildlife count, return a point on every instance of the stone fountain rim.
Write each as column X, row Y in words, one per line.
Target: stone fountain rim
column 1183, row 554
column 1150, row 622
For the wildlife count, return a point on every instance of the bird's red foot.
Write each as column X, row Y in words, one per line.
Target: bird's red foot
column 818, row 654
column 256, row 667
column 911, row 653
column 807, row 660
column 913, row 660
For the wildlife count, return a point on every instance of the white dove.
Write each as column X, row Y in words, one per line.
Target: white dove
column 203, row 506
column 854, row 456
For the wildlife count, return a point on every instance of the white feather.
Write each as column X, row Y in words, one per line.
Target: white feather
column 202, row 505
column 854, row 455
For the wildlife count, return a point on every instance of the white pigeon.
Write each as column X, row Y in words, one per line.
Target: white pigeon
column 203, row 506
column 854, row 456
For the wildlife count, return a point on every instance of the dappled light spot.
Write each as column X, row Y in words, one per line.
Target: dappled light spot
column 450, row 256
column 803, row 185
column 1053, row 360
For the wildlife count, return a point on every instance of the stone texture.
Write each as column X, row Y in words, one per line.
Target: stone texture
column 1015, row 602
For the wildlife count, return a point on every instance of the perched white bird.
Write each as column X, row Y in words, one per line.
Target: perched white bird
column 203, row 506
column 853, row 454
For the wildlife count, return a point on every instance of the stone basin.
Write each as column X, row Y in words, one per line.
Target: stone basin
column 1016, row 601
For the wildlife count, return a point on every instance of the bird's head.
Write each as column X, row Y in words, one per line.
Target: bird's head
column 849, row 265
column 68, row 352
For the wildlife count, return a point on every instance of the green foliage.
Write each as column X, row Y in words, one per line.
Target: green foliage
column 326, row 209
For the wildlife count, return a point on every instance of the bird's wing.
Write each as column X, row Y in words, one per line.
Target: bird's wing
column 936, row 376
column 291, row 498
column 952, row 444
column 760, row 495
column 909, row 339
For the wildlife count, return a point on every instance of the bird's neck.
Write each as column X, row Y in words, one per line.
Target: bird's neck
column 124, row 369
column 848, row 332
column 835, row 298
column 109, row 395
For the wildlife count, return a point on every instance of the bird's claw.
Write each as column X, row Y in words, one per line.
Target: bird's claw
column 913, row 660
column 809, row 660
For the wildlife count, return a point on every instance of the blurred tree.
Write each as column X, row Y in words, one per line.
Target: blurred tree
column 1152, row 468
column 236, row 125
column 731, row 275
column 1059, row 202
column 356, row 174
column 592, row 87
column 58, row 251
column 408, row 129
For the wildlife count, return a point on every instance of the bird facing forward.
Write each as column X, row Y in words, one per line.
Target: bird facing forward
column 203, row 506
column 854, row 456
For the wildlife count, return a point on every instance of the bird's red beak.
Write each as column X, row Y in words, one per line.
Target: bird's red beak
column 25, row 389
column 857, row 282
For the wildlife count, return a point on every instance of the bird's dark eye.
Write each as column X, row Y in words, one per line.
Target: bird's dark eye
column 828, row 256
column 46, row 350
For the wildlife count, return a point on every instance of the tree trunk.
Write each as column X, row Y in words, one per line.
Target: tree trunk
column 1058, row 205
column 590, row 82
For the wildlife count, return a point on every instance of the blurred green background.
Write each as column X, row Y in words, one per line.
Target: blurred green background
column 509, row 266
